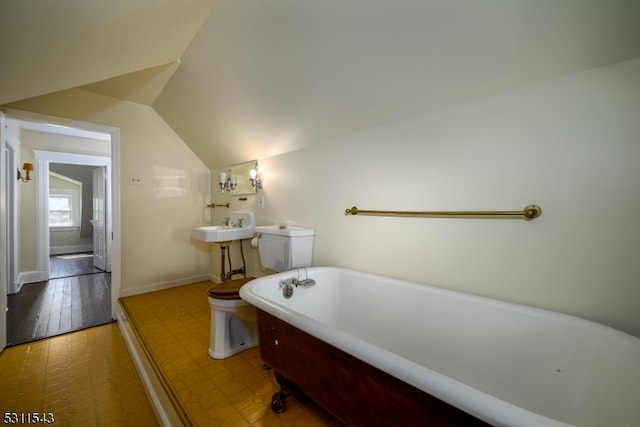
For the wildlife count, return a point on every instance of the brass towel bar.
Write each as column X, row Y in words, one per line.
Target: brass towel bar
column 530, row 212
column 213, row 205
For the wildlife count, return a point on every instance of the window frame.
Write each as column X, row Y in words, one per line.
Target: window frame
column 75, row 197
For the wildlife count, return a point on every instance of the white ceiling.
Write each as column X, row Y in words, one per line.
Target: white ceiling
column 142, row 86
column 258, row 78
column 263, row 78
column 48, row 46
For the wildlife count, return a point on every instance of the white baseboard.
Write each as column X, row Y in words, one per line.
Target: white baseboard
column 70, row 249
column 30, row 277
column 163, row 285
column 160, row 401
column 15, row 288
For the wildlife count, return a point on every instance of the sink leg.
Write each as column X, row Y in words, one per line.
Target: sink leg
column 223, row 249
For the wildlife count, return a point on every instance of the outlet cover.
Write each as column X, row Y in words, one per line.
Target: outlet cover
column 136, row 180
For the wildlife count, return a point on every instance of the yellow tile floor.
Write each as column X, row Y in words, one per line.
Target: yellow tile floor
column 83, row 378
column 173, row 325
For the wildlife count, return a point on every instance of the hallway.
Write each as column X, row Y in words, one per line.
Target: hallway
column 77, row 296
column 67, row 265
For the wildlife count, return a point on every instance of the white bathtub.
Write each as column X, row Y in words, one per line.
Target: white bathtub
column 505, row 364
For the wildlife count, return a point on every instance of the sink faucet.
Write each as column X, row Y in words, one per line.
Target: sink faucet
column 229, row 223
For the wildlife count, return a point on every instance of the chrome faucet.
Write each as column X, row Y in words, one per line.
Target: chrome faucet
column 287, row 288
column 286, row 285
column 229, row 223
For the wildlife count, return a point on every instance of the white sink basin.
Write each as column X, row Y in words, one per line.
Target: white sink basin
column 221, row 233
column 225, row 233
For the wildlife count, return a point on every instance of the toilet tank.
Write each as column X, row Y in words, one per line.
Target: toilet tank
column 284, row 248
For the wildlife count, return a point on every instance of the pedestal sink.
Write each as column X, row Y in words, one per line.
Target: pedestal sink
column 241, row 226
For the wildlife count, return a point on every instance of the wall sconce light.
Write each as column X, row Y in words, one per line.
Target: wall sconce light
column 28, row 168
column 256, row 179
column 227, row 182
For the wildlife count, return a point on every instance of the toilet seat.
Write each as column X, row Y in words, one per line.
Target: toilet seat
column 228, row 290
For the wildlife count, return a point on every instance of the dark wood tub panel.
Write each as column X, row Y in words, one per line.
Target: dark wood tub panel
column 355, row 392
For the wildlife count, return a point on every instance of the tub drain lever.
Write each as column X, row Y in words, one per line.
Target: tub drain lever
column 306, row 283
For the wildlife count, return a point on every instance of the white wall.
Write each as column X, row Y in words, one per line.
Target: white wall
column 156, row 217
column 570, row 145
column 27, row 257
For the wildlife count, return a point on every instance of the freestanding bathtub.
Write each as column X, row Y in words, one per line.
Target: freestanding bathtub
column 381, row 351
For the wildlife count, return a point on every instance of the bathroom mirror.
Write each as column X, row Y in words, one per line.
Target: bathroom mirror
column 241, row 171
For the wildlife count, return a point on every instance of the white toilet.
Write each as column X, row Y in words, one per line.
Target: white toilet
column 233, row 321
column 284, row 248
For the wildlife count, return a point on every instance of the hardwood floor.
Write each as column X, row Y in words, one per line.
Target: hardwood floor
column 68, row 265
column 60, row 305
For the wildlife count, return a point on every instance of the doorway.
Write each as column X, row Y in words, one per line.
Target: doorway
column 44, row 160
column 70, row 297
column 77, row 219
column 76, row 292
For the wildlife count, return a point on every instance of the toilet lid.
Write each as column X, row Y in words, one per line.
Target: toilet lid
column 228, row 290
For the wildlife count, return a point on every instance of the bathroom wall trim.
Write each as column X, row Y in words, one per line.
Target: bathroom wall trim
column 70, row 249
column 159, row 286
column 29, row 277
column 160, row 401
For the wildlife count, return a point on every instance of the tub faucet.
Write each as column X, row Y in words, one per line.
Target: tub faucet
column 286, row 286
column 306, row 283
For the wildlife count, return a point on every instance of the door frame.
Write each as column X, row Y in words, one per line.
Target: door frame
column 5, row 179
column 43, row 159
column 99, row 199
column 114, row 191
column 11, row 149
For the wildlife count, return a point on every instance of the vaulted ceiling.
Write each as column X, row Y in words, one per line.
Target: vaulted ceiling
column 242, row 79
column 52, row 45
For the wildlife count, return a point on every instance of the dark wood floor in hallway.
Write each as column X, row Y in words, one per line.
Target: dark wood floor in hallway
column 59, row 305
column 67, row 265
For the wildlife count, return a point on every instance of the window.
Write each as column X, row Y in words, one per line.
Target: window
column 64, row 208
column 65, row 202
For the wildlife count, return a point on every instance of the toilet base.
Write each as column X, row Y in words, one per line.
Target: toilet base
column 233, row 328
column 231, row 351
